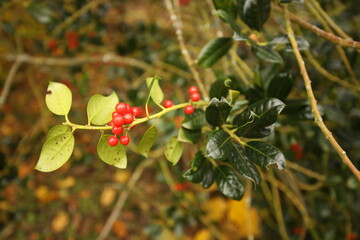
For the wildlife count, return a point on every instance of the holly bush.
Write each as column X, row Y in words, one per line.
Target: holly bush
column 254, row 100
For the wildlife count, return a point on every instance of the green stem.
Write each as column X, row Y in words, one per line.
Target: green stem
column 136, row 122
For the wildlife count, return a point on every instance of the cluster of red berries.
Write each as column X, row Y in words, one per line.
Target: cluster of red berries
column 194, row 96
column 124, row 114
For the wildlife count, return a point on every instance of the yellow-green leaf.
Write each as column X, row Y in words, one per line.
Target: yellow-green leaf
column 58, row 98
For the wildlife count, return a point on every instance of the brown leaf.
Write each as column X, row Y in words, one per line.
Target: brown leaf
column 120, row 229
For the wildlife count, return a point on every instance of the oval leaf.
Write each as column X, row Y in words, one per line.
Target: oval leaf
column 190, row 136
column 55, row 151
column 147, row 141
column 156, row 93
column 57, row 130
column 58, row 98
column 264, row 154
column 174, row 150
column 100, row 108
column 254, row 12
column 267, row 54
column 217, row 146
column 217, row 112
column 115, row 156
column 213, row 51
column 228, row 183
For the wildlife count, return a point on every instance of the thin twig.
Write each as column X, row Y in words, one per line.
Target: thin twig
column 331, row 37
column 179, row 34
column 9, row 80
column 122, row 198
column 318, row 119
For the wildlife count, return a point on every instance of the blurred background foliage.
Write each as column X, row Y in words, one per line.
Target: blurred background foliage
column 76, row 201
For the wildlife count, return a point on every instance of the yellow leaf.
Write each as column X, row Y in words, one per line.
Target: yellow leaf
column 122, row 176
column 66, row 183
column 59, row 223
column 215, row 208
column 247, row 220
column 203, row 234
column 43, row 194
column 107, row 196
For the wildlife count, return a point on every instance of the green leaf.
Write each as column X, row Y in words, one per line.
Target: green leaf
column 282, row 42
column 265, row 154
column 217, row 146
column 267, row 54
column 194, row 121
column 174, row 150
column 243, row 164
column 257, row 120
column 56, row 150
column 190, row 136
column 41, row 12
column 226, row 5
column 198, row 169
column 220, row 88
column 299, row 109
column 254, row 12
column 115, row 156
column 269, row 73
column 156, row 93
column 238, row 36
column 229, row 18
column 213, row 51
column 100, row 108
column 147, row 141
column 217, row 112
column 228, row 183
column 280, row 86
column 58, row 98
column 209, row 176
column 57, row 130
column 233, row 95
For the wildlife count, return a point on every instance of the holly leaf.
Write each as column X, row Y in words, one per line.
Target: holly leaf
column 174, row 150
column 57, row 130
column 115, row 156
column 267, row 53
column 254, row 12
column 100, row 108
column 257, row 120
column 156, row 93
column 213, row 51
column 194, row 121
column 217, row 112
column 190, row 136
column 217, row 146
column 265, row 154
column 228, row 183
column 147, row 141
column 280, row 86
column 58, row 98
column 56, row 150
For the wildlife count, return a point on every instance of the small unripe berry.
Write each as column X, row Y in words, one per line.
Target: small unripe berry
column 121, row 108
column 168, row 103
column 195, row 97
column 128, row 118
column 193, row 90
column 117, row 130
column 112, row 141
column 136, row 111
column 124, row 140
column 188, row 109
column 118, row 120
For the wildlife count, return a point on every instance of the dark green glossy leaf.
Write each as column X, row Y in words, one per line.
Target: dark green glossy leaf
column 227, row 6
column 243, row 164
column 220, row 88
column 257, row 120
column 254, row 12
column 228, row 183
column 265, row 154
column 280, row 86
column 198, row 169
column 217, row 112
column 194, row 121
column 267, row 54
column 299, row 109
column 217, row 146
column 213, row 51
column 282, row 42
column 190, row 136
column 269, row 73
column 209, row 176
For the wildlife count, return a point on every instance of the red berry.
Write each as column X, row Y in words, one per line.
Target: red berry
column 168, row 103
column 128, row 108
column 112, row 141
column 118, row 120
column 193, row 90
column 136, row 111
column 117, row 130
column 188, row 109
column 111, row 123
column 124, row 140
column 121, row 108
column 128, row 118
column 195, row 97
column 114, row 114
